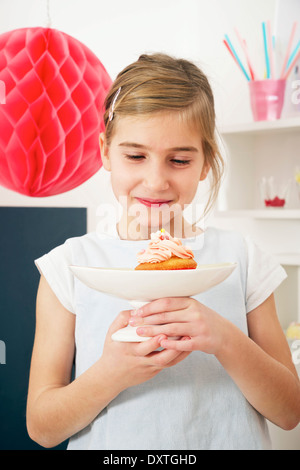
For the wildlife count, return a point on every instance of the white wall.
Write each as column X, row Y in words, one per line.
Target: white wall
column 118, row 32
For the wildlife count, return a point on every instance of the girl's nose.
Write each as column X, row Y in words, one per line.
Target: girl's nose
column 156, row 178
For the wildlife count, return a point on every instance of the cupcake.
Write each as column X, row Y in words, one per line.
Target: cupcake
column 165, row 252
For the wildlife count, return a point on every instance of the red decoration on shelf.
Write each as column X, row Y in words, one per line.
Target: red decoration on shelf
column 276, row 202
column 52, row 116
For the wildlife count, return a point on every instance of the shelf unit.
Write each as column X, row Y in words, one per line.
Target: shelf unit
column 292, row 214
column 263, row 127
column 253, row 151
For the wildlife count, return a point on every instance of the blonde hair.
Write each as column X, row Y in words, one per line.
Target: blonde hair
column 157, row 83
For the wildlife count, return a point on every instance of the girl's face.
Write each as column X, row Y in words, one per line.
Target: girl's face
column 156, row 163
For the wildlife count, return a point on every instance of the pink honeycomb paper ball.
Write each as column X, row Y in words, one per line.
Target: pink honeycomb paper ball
column 52, row 114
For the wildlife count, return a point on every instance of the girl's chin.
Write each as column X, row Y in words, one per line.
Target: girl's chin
column 156, row 217
column 143, row 219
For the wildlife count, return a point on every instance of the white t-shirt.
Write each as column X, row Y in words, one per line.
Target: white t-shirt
column 194, row 404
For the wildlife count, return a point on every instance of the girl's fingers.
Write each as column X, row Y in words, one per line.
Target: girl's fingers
column 174, row 345
column 169, row 329
column 161, row 358
column 179, row 358
column 147, row 347
column 120, row 321
column 159, row 318
column 162, row 305
column 162, row 311
column 168, row 357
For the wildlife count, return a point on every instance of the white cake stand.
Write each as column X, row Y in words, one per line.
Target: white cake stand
column 141, row 287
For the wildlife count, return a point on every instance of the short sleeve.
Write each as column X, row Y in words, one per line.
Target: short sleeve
column 265, row 274
column 55, row 268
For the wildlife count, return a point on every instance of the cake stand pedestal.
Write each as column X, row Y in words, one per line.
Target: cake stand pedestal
column 129, row 334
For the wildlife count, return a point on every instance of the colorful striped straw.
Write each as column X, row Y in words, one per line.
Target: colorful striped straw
column 236, row 57
column 266, row 49
column 230, row 51
column 291, row 66
column 270, row 49
column 275, row 53
column 288, row 50
column 295, row 51
column 245, row 49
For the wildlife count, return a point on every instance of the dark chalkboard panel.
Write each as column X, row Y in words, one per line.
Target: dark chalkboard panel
column 25, row 234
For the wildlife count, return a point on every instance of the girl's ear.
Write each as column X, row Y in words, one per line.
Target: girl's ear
column 104, row 152
column 204, row 172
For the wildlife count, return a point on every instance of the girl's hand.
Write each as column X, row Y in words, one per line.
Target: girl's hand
column 185, row 317
column 134, row 363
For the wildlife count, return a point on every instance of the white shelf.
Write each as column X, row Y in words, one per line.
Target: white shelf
column 260, row 127
column 255, row 149
column 289, row 259
column 278, row 213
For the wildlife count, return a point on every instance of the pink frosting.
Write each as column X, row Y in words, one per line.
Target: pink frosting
column 162, row 247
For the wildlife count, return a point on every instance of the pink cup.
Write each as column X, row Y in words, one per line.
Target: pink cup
column 267, row 98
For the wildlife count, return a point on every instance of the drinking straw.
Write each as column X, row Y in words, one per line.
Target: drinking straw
column 293, row 55
column 288, row 49
column 231, row 49
column 275, row 53
column 245, row 49
column 253, row 74
column 292, row 64
column 266, row 49
column 270, row 48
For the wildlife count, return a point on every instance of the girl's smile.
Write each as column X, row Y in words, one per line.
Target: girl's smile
column 152, row 202
column 156, row 164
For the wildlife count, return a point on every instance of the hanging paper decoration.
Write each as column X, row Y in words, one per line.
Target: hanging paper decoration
column 52, row 115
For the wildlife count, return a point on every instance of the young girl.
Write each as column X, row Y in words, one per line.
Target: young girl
column 230, row 368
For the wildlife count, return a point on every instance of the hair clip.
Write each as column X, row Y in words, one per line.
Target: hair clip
column 111, row 112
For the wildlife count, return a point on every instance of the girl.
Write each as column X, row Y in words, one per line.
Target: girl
column 230, row 368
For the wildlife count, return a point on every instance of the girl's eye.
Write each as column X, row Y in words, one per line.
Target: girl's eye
column 180, row 162
column 134, row 157
column 176, row 161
